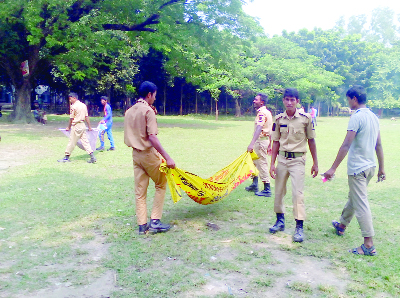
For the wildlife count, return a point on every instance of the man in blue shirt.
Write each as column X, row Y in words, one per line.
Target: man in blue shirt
column 106, row 125
column 362, row 142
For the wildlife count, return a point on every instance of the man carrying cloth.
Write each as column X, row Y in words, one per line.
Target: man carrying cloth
column 261, row 143
column 140, row 133
column 107, row 124
column 77, row 118
column 291, row 132
column 362, row 141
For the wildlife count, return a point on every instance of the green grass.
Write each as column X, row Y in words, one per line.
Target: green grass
column 50, row 214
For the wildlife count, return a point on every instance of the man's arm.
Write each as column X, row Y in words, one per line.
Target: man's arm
column 69, row 124
column 88, row 122
column 313, row 149
column 255, row 137
column 275, row 150
column 379, row 155
column 341, row 154
column 155, row 142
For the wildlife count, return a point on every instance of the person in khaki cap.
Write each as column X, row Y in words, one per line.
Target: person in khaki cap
column 261, row 143
column 291, row 132
column 140, row 133
column 77, row 118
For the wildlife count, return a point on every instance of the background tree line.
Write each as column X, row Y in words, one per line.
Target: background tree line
column 203, row 55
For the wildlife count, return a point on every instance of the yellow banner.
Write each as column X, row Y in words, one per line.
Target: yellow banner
column 215, row 188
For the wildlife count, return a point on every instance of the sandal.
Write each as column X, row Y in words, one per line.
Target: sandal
column 366, row 251
column 339, row 230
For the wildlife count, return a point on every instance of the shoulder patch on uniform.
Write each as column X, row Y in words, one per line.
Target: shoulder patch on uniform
column 279, row 116
column 273, row 126
column 305, row 115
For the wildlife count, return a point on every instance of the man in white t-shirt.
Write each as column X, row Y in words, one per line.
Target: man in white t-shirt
column 362, row 141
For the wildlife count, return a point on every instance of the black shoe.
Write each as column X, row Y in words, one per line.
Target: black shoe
column 111, row 149
column 264, row 193
column 279, row 224
column 101, row 148
column 143, row 229
column 65, row 159
column 92, row 160
column 156, row 226
column 252, row 187
column 298, row 235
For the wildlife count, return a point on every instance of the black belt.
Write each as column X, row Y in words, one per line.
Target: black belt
column 291, row 154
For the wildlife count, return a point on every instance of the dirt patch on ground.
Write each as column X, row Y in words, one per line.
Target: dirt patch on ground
column 90, row 259
column 287, row 275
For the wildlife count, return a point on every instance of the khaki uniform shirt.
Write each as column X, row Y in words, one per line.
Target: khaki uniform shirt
column 292, row 134
column 78, row 112
column 264, row 119
column 140, row 122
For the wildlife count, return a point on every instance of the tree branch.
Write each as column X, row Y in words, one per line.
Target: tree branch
column 152, row 20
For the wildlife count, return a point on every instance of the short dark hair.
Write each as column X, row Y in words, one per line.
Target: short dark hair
column 291, row 92
column 145, row 88
column 73, row 94
column 263, row 97
column 358, row 92
column 104, row 98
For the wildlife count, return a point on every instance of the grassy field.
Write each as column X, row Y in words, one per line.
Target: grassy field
column 66, row 228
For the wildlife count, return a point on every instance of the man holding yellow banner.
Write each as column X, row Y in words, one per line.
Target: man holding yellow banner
column 261, row 143
column 140, row 133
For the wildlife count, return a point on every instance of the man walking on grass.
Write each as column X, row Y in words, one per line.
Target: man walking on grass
column 362, row 141
column 261, row 143
column 78, row 117
column 106, row 123
column 140, row 134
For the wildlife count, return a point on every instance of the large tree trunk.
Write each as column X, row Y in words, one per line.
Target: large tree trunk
column 237, row 108
column 22, row 105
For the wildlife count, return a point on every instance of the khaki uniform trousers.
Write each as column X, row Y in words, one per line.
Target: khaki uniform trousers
column 146, row 165
column 78, row 131
column 262, row 163
column 357, row 202
column 295, row 168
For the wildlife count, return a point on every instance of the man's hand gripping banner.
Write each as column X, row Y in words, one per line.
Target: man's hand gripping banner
column 215, row 188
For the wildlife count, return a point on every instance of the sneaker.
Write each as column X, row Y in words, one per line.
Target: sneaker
column 263, row 193
column 143, row 229
column 111, row 149
column 298, row 235
column 101, row 148
column 64, row 160
column 156, row 226
column 92, row 160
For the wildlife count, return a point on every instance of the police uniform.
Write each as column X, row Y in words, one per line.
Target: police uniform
column 292, row 135
column 78, row 112
column 140, row 122
column 264, row 119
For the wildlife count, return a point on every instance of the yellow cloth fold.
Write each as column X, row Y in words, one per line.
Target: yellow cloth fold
column 215, row 188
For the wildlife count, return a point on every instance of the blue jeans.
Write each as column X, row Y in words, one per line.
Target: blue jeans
column 109, row 135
